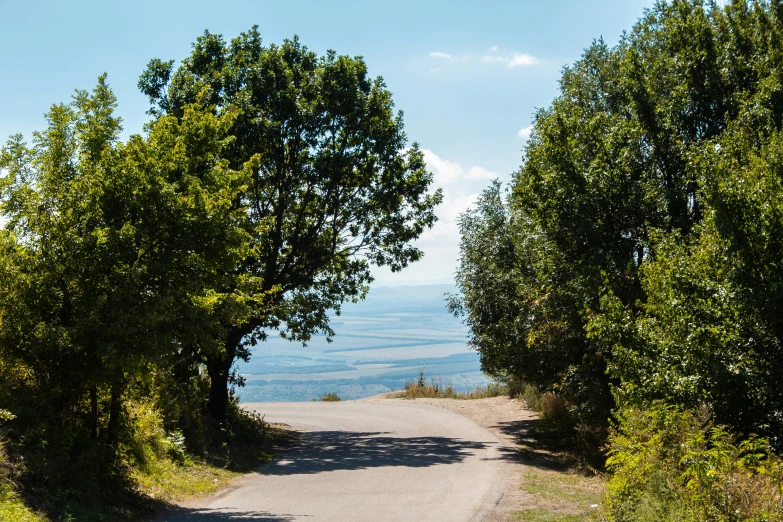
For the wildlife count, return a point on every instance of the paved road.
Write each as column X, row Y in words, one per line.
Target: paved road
column 367, row 461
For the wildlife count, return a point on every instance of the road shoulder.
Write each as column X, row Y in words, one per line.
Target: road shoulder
column 536, row 485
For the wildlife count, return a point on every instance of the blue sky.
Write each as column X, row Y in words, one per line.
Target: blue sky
column 468, row 75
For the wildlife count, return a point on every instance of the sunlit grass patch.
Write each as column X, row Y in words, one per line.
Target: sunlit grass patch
column 13, row 508
column 579, row 490
column 168, row 481
column 545, row 515
column 561, row 497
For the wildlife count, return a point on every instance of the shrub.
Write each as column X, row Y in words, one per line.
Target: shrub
column 553, row 406
column 531, row 395
column 149, row 440
column 673, row 464
column 330, row 397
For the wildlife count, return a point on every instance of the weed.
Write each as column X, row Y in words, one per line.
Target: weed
column 531, row 396
column 673, row 464
column 12, row 507
column 330, row 397
column 436, row 389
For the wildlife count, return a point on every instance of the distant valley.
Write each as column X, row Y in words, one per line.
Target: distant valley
column 380, row 343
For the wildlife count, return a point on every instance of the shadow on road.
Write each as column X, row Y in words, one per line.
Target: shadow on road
column 323, row 451
column 211, row 515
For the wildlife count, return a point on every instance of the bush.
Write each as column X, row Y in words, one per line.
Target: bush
column 553, row 406
column 673, row 464
column 149, row 440
column 330, row 397
column 531, row 395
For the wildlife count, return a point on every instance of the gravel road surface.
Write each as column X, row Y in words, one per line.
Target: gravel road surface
column 387, row 460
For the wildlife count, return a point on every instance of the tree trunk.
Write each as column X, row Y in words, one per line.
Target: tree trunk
column 218, row 370
column 94, row 413
column 115, row 411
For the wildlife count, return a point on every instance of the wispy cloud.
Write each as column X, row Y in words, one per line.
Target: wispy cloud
column 510, row 60
column 477, row 172
column 519, row 60
column 442, row 56
column 493, row 59
column 447, row 172
column 525, row 132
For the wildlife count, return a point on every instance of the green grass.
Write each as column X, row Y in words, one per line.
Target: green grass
column 13, row 508
column 544, row 515
column 560, row 483
column 157, row 484
column 579, row 490
column 566, row 497
column 167, row 481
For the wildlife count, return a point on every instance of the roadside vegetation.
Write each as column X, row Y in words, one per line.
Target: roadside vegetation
column 134, row 274
column 561, row 497
column 630, row 274
column 435, row 388
column 329, row 397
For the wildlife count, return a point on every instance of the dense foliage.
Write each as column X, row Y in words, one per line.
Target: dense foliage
column 673, row 465
column 637, row 254
column 132, row 274
column 335, row 189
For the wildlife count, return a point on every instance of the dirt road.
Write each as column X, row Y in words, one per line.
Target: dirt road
column 368, row 460
column 382, row 459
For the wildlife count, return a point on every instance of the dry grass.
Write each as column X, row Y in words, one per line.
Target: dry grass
column 436, row 389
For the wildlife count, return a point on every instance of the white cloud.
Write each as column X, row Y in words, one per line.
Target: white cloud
column 518, row 60
column 510, row 60
column 445, row 172
column 524, row 132
column 443, row 56
column 461, row 188
column 477, row 172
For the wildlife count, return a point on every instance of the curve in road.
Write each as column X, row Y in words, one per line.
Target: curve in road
column 375, row 461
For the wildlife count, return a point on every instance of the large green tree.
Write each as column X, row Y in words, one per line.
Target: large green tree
column 336, row 187
column 112, row 257
column 638, row 251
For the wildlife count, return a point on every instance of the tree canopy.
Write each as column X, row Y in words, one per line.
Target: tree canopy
column 334, row 190
column 636, row 255
column 134, row 273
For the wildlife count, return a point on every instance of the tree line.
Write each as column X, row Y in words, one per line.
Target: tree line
column 633, row 268
column 637, row 253
column 265, row 185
